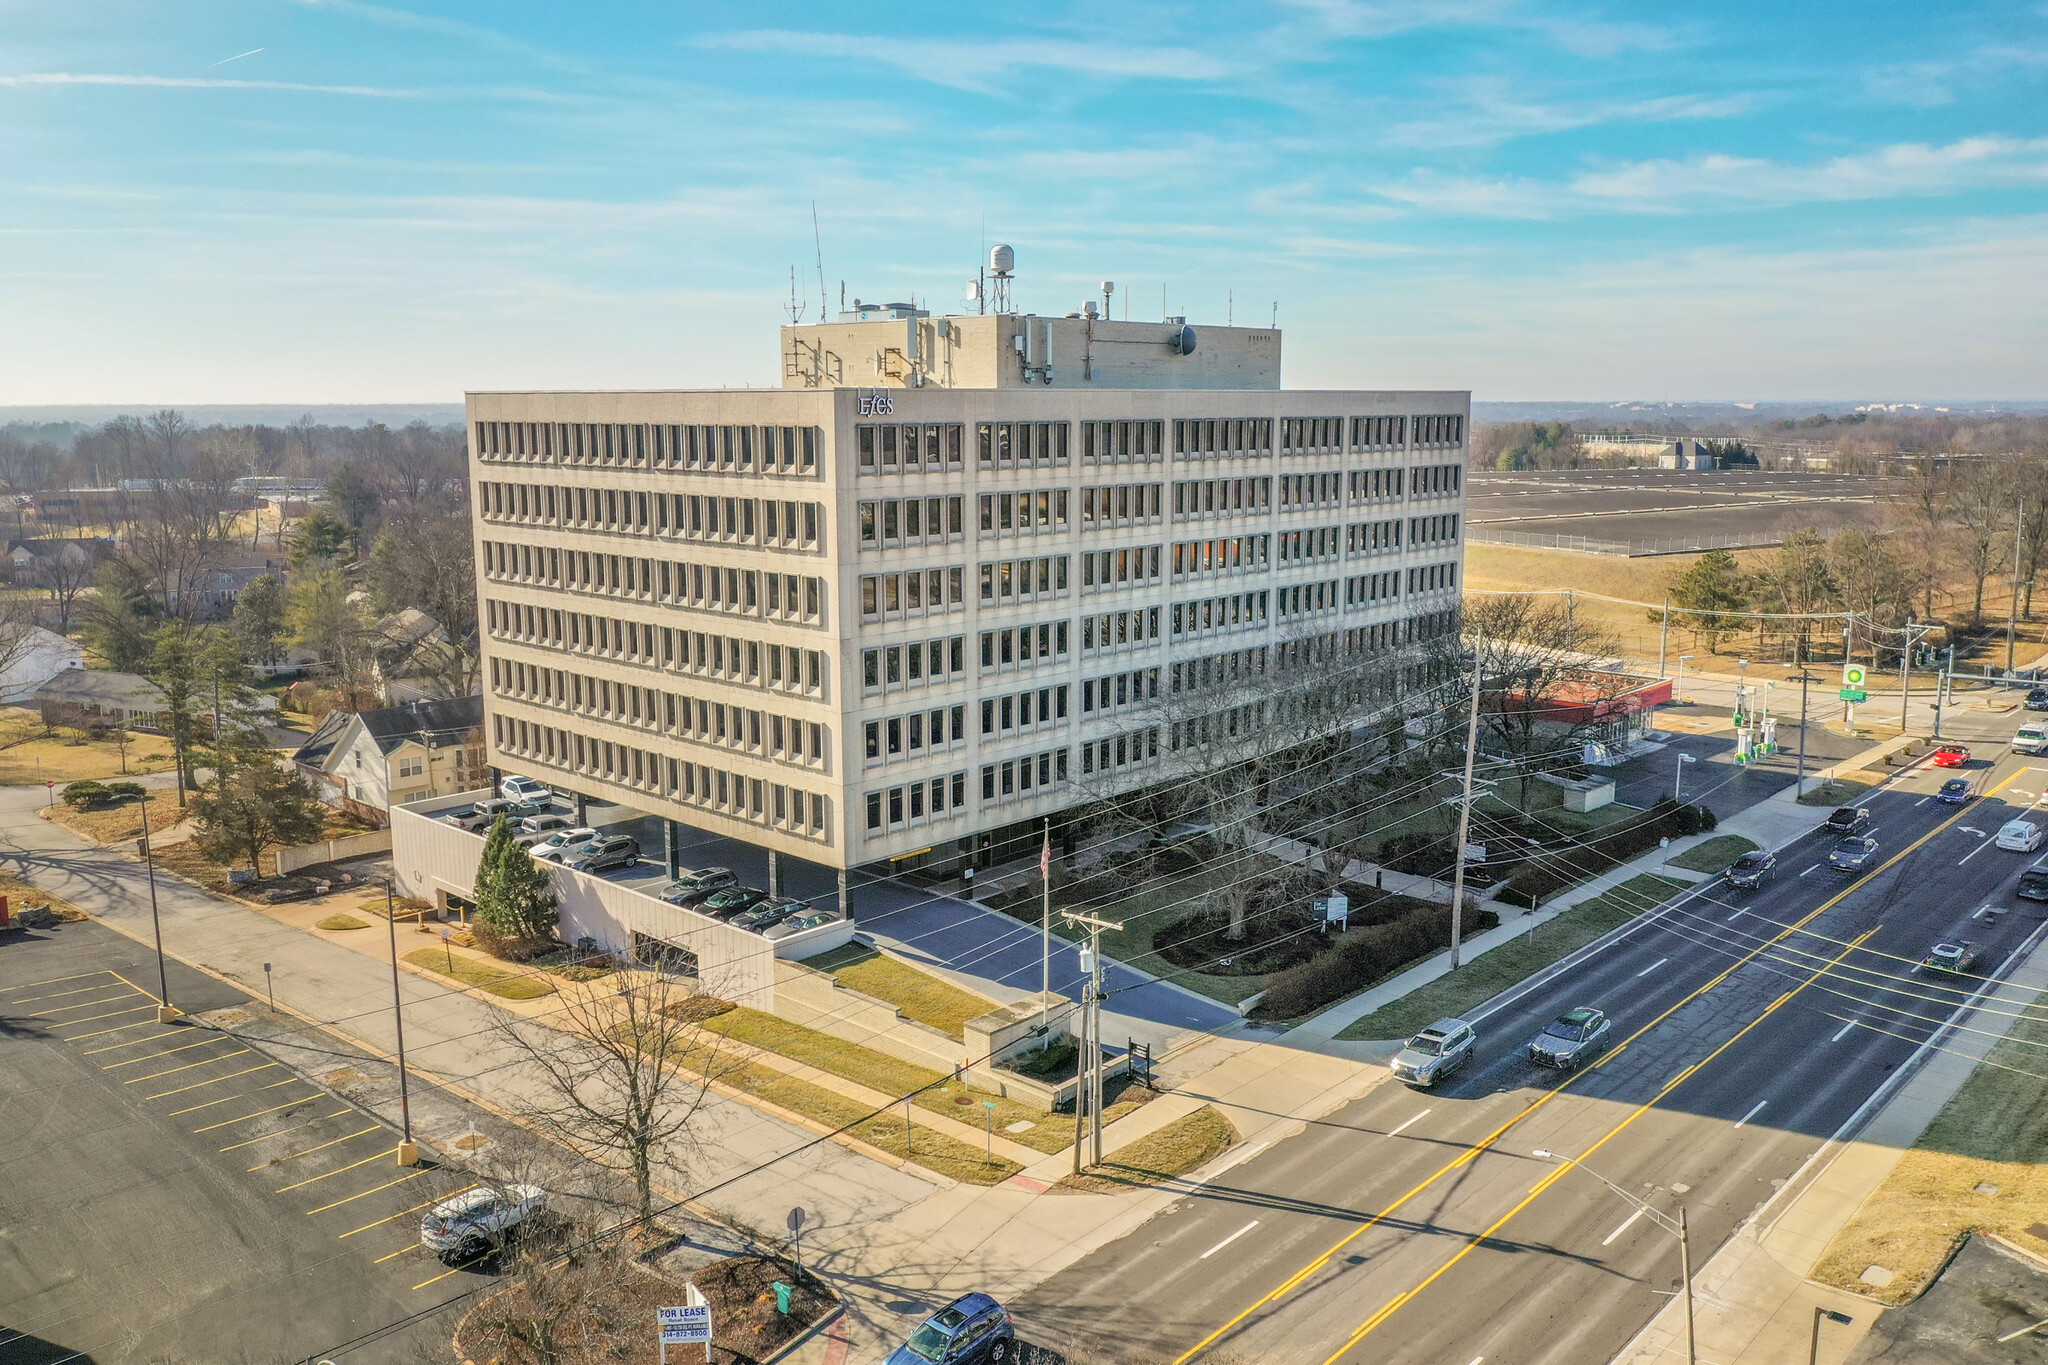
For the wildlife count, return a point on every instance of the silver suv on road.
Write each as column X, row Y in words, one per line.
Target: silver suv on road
column 1434, row 1053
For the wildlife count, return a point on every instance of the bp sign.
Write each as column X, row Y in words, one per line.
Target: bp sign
column 1852, row 675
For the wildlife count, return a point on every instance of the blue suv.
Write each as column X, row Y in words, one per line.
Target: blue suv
column 971, row 1330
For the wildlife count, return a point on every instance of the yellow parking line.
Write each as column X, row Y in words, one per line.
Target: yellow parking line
column 197, row 1084
column 172, row 1071
column 453, row 1269
column 366, row 1193
column 339, row 1170
column 279, row 1161
column 132, row 1042
column 280, row 1132
column 110, row 1014
column 149, row 1056
column 53, row 980
column 230, row 1099
column 131, row 985
column 58, row 995
column 402, row 1212
column 118, row 1028
column 81, row 1005
column 392, row 1256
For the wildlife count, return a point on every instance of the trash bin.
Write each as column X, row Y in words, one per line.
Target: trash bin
column 783, row 1294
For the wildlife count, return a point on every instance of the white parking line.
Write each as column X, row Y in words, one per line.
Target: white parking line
column 1752, row 1113
column 1228, row 1240
column 1653, row 966
column 1921, row 802
column 1844, row 1033
column 1814, row 868
column 1403, row 1128
column 1734, row 917
column 1609, row 1238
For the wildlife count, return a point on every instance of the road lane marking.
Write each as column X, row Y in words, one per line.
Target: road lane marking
column 161, row 1094
column 1474, row 1151
column 425, row 1170
column 1625, row 1224
column 1404, row 1127
column 1653, row 966
column 1228, row 1240
column 1734, row 917
column 251, row 1142
column 1844, row 1033
column 347, row 1137
column 189, row 1066
column 1752, row 1113
column 339, row 1170
column 402, row 1212
column 1973, row 852
column 1814, row 868
column 1925, row 799
column 1246, row 1155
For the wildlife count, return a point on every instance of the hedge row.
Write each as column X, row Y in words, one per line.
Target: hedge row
column 1367, row 955
column 1543, row 877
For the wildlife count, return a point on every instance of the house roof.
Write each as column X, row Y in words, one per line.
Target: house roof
column 103, row 687
column 444, row 722
column 325, row 737
column 41, row 546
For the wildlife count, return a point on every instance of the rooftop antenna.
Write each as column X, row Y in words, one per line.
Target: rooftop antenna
column 1230, row 309
column 1002, row 268
column 818, row 241
column 1276, row 315
column 793, row 308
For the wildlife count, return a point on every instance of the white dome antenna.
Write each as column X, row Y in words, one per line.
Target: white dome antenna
column 1002, row 268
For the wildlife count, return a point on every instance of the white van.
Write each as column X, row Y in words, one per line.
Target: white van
column 2032, row 738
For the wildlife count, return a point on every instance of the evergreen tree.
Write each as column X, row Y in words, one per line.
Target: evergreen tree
column 228, row 693
column 256, row 807
column 117, row 620
column 174, row 668
column 515, row 898
column 321, row 542
column 260, row 620
column 1714, row 592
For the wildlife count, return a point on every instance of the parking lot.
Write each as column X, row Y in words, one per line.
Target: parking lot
column 1648, row 504
column 175, row 1193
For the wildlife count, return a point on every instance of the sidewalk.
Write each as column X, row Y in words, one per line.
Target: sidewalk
column 1754, row 1303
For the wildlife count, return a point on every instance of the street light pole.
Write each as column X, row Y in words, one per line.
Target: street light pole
column 1663, row 636
column 1678, row 694
column 408, row 1150
column 1464, row 818
column 1661, row 1219
column 2012, row 616
column 1678, row 782
column 165, row 1012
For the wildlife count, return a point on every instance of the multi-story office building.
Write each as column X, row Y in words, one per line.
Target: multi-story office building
column 934, row 588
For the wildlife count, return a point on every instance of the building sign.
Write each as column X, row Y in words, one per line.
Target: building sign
column 877, row 405
column 680, row 1326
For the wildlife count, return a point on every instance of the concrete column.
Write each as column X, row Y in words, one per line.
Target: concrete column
column 672, row 846
column 582, row 809
column 774, row 873
column 845, row 896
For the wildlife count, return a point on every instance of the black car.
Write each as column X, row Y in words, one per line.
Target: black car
column 691, row 888
column 731, row 901
column 2034, row 884
column 2037, row 700
column 1851, row 855
column 1748, row 871
column 971, row 1330
column 616, row 850
column 767, row 913
column 1954, row 792
column 1848, row 820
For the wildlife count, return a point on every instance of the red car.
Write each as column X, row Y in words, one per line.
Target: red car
column 1951, row 756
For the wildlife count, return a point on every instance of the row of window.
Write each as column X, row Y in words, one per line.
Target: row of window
column 1123, row 504
column 1314, row 546
column 1222, row 436
column 1011, row 445
column 1215, row 614
column 706, row 449
column 1372, row 537
column 1122, row 442
column 1432, row 530
column 1366, row 588
column 783, row 738
column 1119, row 629
column 1139, row 748
column 1107, row 570
column 1215, row 670
column 1119, row 691
column 917, row 664
column 1311, row 490
column 910, row 449
column 1431, row 577
column 748, row 663
column 1022, row 711
column 1023, row 646
column 1015, row 779
column 1222, row 555
column 796, row 598
column 915, row 735
column 918, row 592
column 1430, row 480
column 912, row 521
column 1221, row 497
column 782, row 523
column 1023, row 514
column 915, row 804
column 1024, row 580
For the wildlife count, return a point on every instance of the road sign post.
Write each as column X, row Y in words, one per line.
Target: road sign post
column 796, row 1230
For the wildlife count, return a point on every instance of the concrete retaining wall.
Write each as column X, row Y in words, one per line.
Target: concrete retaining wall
column 817, row 1001
column 333, row 850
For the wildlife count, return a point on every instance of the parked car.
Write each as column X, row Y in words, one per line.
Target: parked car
column 796, row 924
column 563, row 844
column 1957, row 956
column 534, row 828
column 1951, row 756
column 2019, row 836
column 2034, row 884
column 1850, row 855
column 731, row 901
column 480, row 817
column 1748, row 871
column 1434, row 1053
column 971, row 1330
column 526, row 789
column 470, row 1224
column 693, row 886
column 769, row 912
column 1954, row 792
column 613, row 850
column 1573, row 1037
column 2037, row 700
column 1847, row 820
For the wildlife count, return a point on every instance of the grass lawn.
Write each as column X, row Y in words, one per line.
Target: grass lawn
column 116, row 824
column 1176, row 1149
column 71, row 756
column 920, row 995
column 879, row 1071
column 1715, row 854
column 502, row 982
column 334, row 924
column 1485, row 976
column 21, row 894
column 1839, row 791
column 888, row 1130
column 1993, row 1132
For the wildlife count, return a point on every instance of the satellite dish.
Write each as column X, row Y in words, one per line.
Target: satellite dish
column 1183, row 341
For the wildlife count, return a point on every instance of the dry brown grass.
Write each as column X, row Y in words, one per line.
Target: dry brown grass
column 116, row 824
column 919, row 995
column 1179, row 1147
column 1506, row 568
column 20, row 894
column 70, row 757
column 1993, row 1132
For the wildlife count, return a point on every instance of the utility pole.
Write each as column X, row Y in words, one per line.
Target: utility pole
column 1464, row 817
column 1692, row 1345
column 1941, row 688
column 1088, row 1078
column 1906, row 668
column 165, row 1011
column 2012, row 615
column 1045, row 923
column 1664, row 636
column 408, row 1150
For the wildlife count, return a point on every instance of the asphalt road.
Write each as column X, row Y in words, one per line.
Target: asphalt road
column 1419, row 1226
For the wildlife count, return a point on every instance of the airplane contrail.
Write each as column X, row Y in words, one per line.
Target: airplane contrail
column 236, row 58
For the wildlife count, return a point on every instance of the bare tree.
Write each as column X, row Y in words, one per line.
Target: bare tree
column 170, row 429
column 1543, row 694
column 1982, row 505
column 67, row 572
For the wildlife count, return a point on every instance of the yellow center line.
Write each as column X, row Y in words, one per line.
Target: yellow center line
column 132, row 1042
column 230, row 1099
column 149, row 1056
column 279, row 1161
column 321, row 1118
column 1395, row 1304
column 110, row 1014
column 118, row 1028
column 366, row 1193
column 189, row 1066
column 392, row 1256
column 1473, row 1152
column 215, row 1081
column 81, row 1005
column 132, row 986
column 402, row 1212
column 339, row 1170
column 53, row 980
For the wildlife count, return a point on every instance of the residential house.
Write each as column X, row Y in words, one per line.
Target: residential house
column 88, row 695
column 34, row 562
column 367, row 762
column 39, row 656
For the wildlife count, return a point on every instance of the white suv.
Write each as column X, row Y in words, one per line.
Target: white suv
column 472, row 1223
column 525, row 789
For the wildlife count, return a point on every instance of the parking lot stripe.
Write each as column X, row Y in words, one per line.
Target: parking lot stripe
column 339, row 1170
column 118, row 1028
column 280, row 1160
column 60, row 995
column 402, row 1212
column 394, row 1255
column 149, row 1056
column 172, row 1071
column 111, row 1014
column 216, row 1080
column 280, row 1132
column 132, row 1042
column 53, row 980
column 228, row 1099
column 460, row 1265
column 131, row 985
column 366, row 1193
column 82, row 1005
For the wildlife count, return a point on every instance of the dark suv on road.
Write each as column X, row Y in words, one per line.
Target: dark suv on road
column 971, row 1330
column 1848, row 820
column 1748, row 872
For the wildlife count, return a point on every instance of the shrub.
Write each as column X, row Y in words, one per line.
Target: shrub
column 1542, row 878
column 1415, row 853
column 1367, row 955
column 125, row 791
column 87, row 795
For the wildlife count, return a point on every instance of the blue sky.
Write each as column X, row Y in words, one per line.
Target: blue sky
column 399, row 202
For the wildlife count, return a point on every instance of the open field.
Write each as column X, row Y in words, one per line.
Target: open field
column 27, row 755
column 1670, row 505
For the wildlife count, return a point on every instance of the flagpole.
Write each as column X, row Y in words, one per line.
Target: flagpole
column 1045, row 958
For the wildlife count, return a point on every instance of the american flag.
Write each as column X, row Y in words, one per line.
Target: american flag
column 1045, row 857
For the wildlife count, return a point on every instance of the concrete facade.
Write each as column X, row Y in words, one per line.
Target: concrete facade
column 857, row 624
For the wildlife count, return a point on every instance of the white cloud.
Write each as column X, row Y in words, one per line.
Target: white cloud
column 980, row 64
column 1897, row 171
column 1484, row 111
column 34, row 78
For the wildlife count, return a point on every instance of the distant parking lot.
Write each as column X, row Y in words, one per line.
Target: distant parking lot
column 1647, row 504
column 175, row 1194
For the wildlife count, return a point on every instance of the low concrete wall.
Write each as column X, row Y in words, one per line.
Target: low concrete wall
column 333, row 850
column 817, row 1001
column 430, row 857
